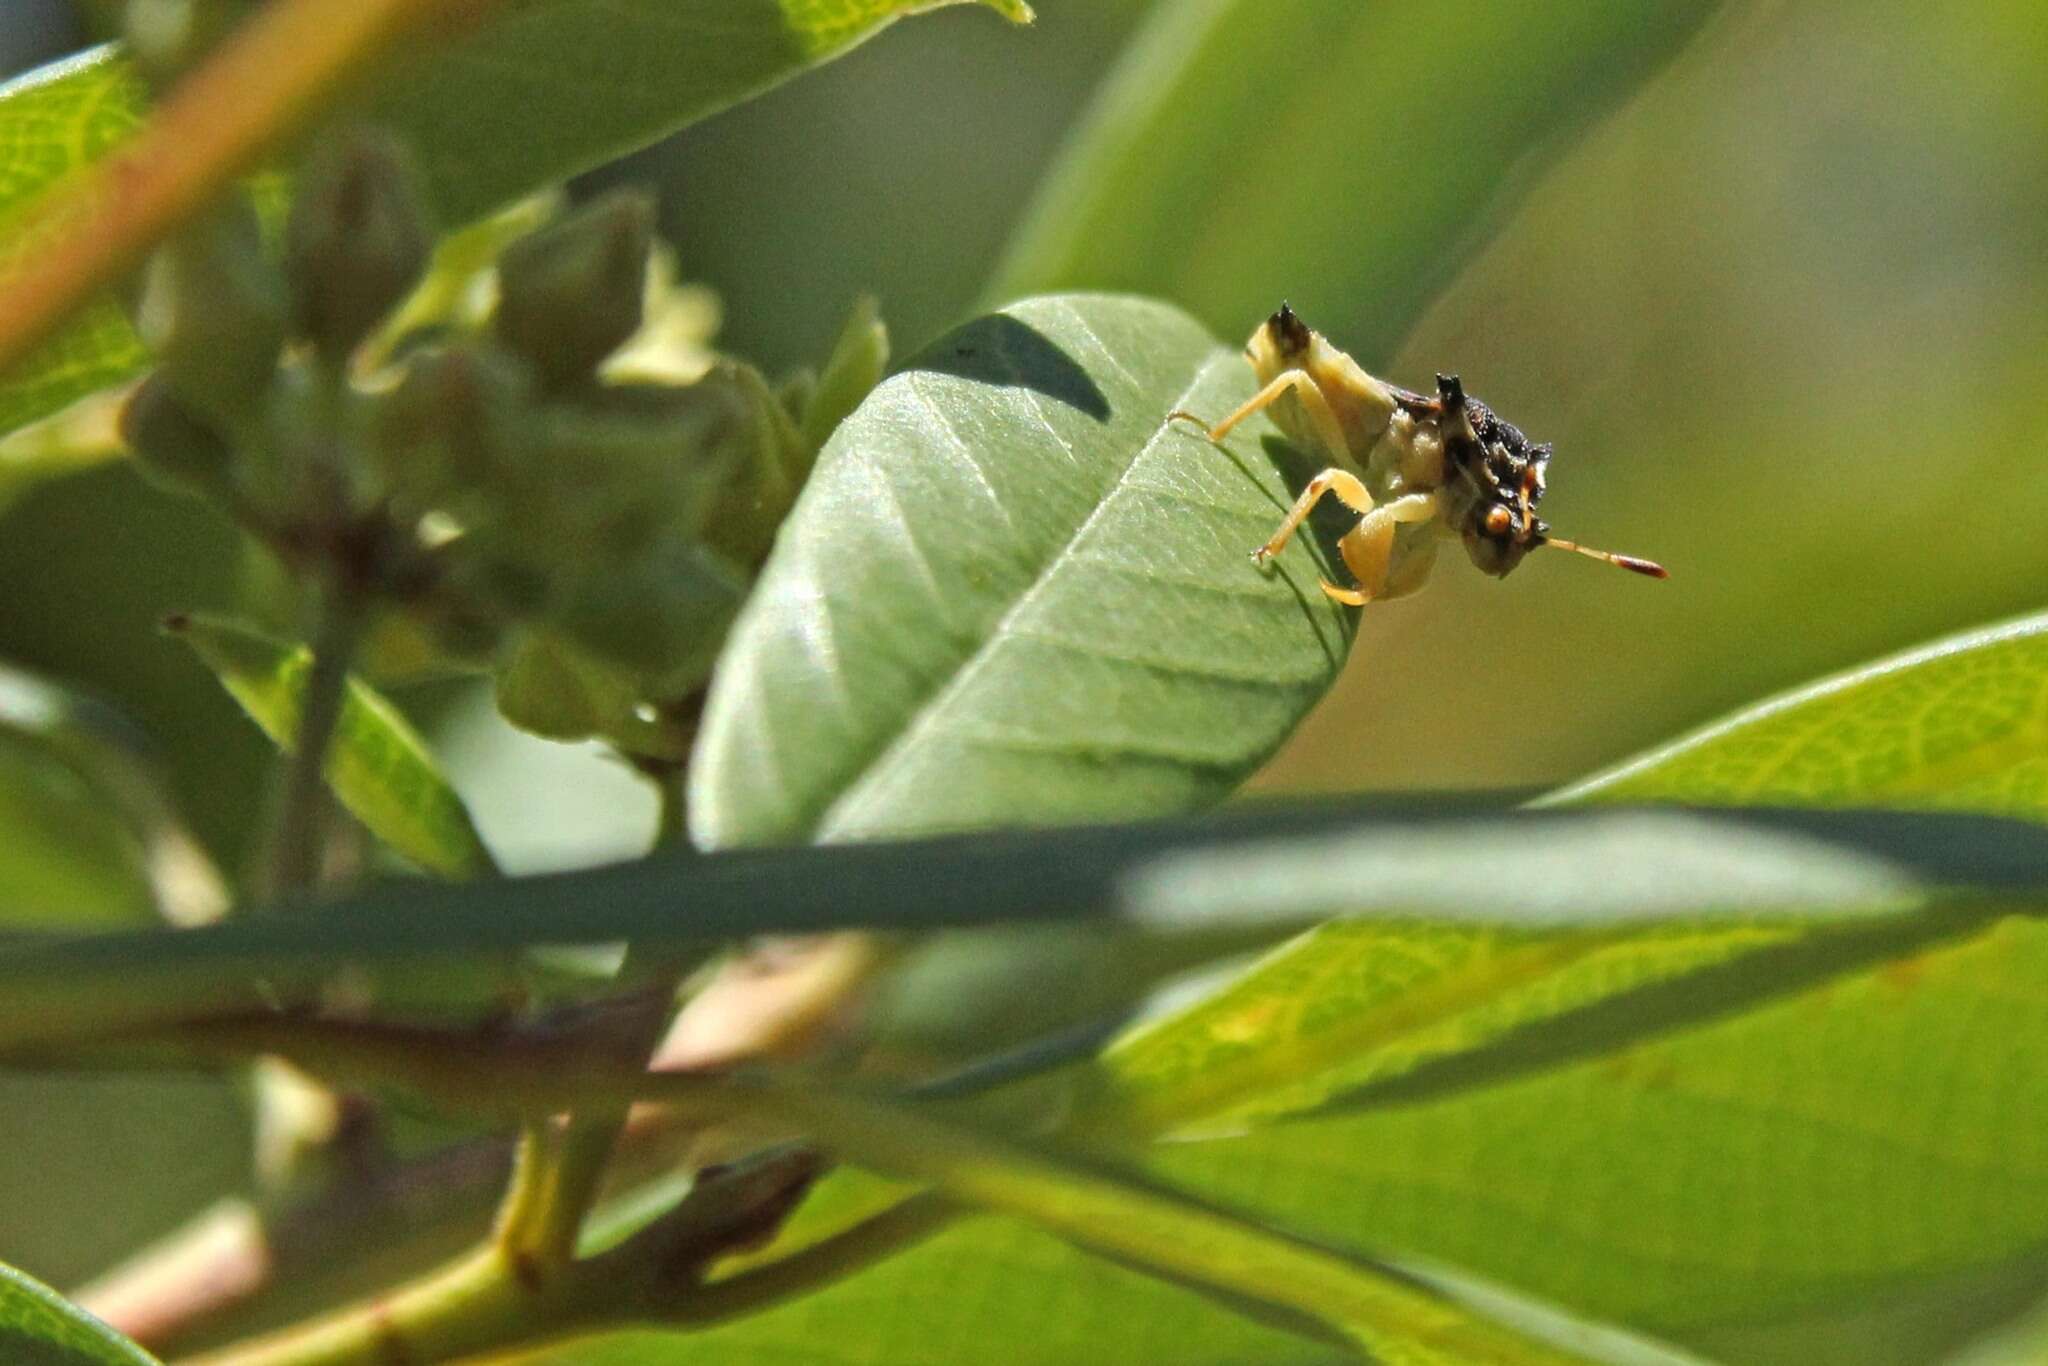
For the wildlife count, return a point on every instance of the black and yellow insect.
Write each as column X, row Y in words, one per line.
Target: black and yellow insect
column 1442, row 466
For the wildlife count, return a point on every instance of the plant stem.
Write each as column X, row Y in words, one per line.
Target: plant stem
column 672, row 815
column 470, row 1305
column 487, row 1300
column 541, row 1222
column 297, row 834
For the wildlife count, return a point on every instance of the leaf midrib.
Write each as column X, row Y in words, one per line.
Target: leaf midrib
column 924, row 715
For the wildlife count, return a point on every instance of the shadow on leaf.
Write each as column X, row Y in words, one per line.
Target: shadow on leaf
column 1001, row 350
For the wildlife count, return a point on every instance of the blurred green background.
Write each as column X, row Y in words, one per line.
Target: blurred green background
column 1784, row 314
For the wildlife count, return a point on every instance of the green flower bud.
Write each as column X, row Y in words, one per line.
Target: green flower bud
column 446, row 425
column 765, row 462
column 552, row 687
column 213, row 310
column 571, row 294
column 355, row 243
column 660, row 618
column 797, row 391
column 855, row 366
column 173, row 443
column 547, row 688
column 599, row 483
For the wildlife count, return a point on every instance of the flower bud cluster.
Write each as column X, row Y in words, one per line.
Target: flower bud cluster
column 585, row 537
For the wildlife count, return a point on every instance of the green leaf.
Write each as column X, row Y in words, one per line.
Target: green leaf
column 88, row 836
column 1013, row 592
column 1243, row 150
column 987, row 1280
column 1550, row 1082
column 1312, row 1287
column 2021, row 1342
column 378, row 765
column 52, row 121
column 1810, row 1160
column 983, row 1281
column 65, row 987
column 1321, row 1291
column 75, row 439
column 544, row 90
column 39, row 1327
column 1961, row 724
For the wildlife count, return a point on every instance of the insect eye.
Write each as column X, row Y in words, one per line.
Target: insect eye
column 1498, row 520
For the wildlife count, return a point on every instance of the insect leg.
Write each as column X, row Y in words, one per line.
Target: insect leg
column 1350, row 491
column 1417, row 559
column 1328, row 430
column 1368, row 550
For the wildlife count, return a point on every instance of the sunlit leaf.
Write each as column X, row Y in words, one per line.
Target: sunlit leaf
column 38, row 1327
column 1961, row 724
column 378, row 766
column 1807, row 1159
column 1543, row 1085
column 1014, row 592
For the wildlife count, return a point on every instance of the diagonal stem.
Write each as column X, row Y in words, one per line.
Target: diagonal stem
column 267, row 81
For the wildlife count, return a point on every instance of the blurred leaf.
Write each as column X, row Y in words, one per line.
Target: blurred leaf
column 88, row 836
column 545, row 90
column 378, row 766
column 39, row 1327
column 1960, row 724
column 1861, row 869
column 52, row 121
column 82, row 435
column 1318, row 1290
column 2022, row 1342
column 1346, row 156
column 1013, row 592
column 981, row 1284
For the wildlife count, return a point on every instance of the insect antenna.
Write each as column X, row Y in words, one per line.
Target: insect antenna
column 1629, row 562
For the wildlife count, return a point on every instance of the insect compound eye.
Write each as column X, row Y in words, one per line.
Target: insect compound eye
column 1499, row 521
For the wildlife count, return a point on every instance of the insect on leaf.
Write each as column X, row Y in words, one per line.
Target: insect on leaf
column 1014, row 593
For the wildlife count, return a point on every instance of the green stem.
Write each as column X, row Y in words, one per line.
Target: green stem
column 541, row 1223
column 473, row 1304
column 297, row 834
column 488, row 1301
column 672, row 816
column 879, row 1236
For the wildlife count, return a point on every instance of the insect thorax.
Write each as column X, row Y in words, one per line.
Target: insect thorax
column 1488, row 476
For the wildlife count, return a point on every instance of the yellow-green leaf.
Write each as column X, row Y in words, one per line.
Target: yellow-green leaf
column 39, row 1327
column 1960, row 724
column 378, row 765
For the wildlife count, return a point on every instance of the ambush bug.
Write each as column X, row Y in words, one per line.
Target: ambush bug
column 1445, row 466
